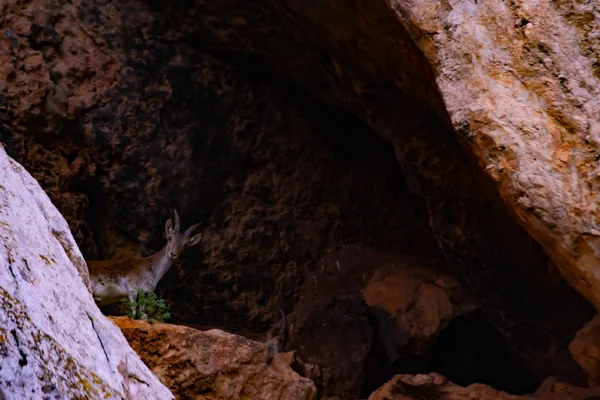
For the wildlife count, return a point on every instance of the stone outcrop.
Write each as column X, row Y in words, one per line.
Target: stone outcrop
column 436, row 387
column 521, row 84
column 389, row 64
column 364, row 311
column 411, row 301
column 214, row 364
column 585, row 348
column 276, row 177
column 54, row 342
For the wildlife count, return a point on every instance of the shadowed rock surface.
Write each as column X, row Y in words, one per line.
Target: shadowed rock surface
column 364, row 314
column 523, row 99
column 214, row 364
column 436, row 387
column 122, row 110
column 585, row 349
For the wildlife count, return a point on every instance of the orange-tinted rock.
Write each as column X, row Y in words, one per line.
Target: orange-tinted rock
column 214, row 364
column 418, row 301
column 585, row 348
column 437, row 387
column 520, row 81
column 363, row 310
column 551, row 389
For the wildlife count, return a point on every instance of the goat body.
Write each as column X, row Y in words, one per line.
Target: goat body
column 114, row 279
column 276, row 343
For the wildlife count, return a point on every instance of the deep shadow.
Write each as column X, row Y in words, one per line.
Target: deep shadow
column 470, row 350
column 96, row 210
column 376, row 364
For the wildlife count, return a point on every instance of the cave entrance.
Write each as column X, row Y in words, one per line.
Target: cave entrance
column 471, row 350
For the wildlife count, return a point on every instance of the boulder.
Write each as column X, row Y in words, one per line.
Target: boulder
column 521, row 84
column 214, row 364
column 437, row 387
column 412, row 302
column 364, row 311
column 585, row 349
column 434, row 387
column 54, row 342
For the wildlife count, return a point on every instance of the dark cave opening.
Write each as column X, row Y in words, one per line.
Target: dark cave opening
column 471, row 350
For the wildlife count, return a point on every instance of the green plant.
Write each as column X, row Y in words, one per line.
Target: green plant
column 148, row 306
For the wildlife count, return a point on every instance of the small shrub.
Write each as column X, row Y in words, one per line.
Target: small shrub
column 148, row 306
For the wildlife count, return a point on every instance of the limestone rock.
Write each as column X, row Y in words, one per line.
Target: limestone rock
column 413, row 300
column 54, row 342
column 521, row 84
column 359, row 57
column 214, row 364
column 437, row 387
column 336, row 335
column 585, row 348
column 362, row 311
column 434, row 387
column 200, row 135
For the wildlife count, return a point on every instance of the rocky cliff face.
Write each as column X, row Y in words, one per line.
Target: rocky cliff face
column 292, row 128
column 214, row 363
column 523, row 98
column 54, row 342
column 436, row 387
column 363, row 312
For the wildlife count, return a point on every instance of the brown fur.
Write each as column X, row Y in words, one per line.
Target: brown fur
column 111, row 269
column 114, row 279
column 276, row 343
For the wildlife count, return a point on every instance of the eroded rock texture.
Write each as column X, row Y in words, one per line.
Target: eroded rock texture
column 276, row 177
column 123, row 110
column 359, row 57
column 585, row 348
column 363, row 314
column 521, row 82
column 214, row 364
column 54, row 342
column 436, row 387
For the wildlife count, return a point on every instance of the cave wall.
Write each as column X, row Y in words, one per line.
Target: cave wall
column 116, row 107
column 274, row 176
column 358, row 57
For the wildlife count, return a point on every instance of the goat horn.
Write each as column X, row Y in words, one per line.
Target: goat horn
column 176, row 219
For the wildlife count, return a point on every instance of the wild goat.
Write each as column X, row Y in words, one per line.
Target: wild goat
column 276, row 342
column 114, row 279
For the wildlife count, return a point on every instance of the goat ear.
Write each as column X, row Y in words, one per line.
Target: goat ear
column 194, row 240
column 169, row 227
